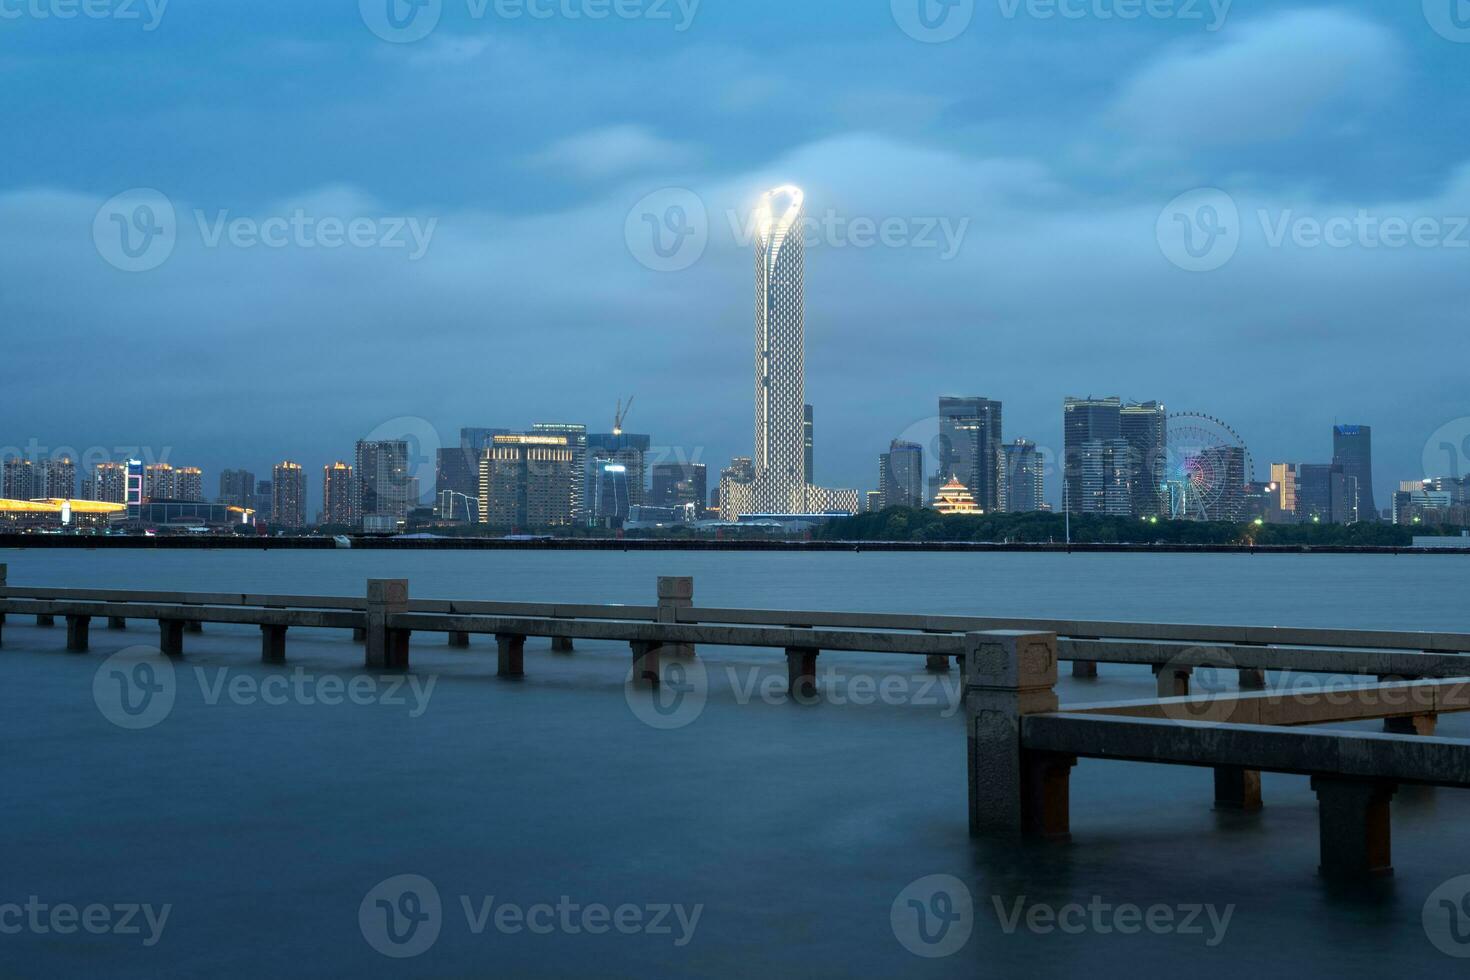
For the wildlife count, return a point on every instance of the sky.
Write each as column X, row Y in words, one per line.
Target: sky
column 237, row 233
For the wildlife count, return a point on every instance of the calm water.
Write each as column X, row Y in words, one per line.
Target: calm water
column 792, row 829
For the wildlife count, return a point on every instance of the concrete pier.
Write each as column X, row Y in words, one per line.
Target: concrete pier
column 511, row 655
column 1252, row 679
column 45, row 619
column 1013, row 790
column 359, row 634
column 801, row 673
column 562, row 644
column 675, row 593
column 171, row 637
column 193, row 626
column 117, row 622
column 936, row 663
column 273, row 644
column 1413, row 725
column 1354, row 826
column 1173, row 680
column 78, row 629
column 1237, row 789
column 386, row 648
column 459, row 639
column 1084, row 668
column 646, row 662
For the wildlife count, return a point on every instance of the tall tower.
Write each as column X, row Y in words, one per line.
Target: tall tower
column 780, row 354
column 1352, row 449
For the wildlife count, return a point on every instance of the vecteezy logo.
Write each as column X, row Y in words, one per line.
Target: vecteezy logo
column 1447, row 917
column 1449, row 18
column 933, row 21
column 668, row 230
column 136, row 230
column 1199, row 231
column 401, row 21
column 1447, row 453
column 676, row 701
column 934, row 916
column 134, row 688
column 421, row 450
column 401, row 916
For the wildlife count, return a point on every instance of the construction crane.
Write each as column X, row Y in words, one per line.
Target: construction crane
column 622, row 415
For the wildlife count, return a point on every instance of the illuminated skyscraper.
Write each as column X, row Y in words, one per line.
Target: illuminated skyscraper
column 189, row 483
column 337, row 494
column 781, row 484
column 159, row 482
column 19, row 480
column 1352, row 449
column 237, row 488
column 108, row 483
column 288, row 496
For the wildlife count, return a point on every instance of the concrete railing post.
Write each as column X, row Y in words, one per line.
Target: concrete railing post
column 171, row 637
column 675, row 593
column 386, row 648
column 272, row 644
column 1354, row 826
column 1008, row 675
column 77, row 631
column 511, row 655
column 801, row 674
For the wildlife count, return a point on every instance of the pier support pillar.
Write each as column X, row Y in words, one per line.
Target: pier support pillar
column 1412, row 725
column 78, row 629
column 1354, row 822
column 193, row 626
column 1084, row 668
column 937, row 663
column 387, row 648
column 117, row 622
column 1173, row 680
column 273, row 644
column 562, row 644
column 645, row 663
column 45, row 619
column 801, row 674
column 459, row 639
column 1252, row 679
column 1010, row 674
column 1237, row 789
column 675, row 593
column 359, row 634
column 171, row 637
column 511, row 660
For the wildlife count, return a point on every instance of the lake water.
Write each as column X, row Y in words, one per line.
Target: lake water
column 564, row 835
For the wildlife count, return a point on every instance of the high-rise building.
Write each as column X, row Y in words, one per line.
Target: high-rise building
column 338, row 496
column 781, row 484
column 576, row 435
column 457, row 468
column 1022, row 478
column 19, row 479
column 1145, row 427
column 679, row 484
column 189, row 484
column 901, row 475
column 1284, row 478
column 1104, row 478
column 237, row 488
column 159, row 482
column 969, row 447
column 383, row 490
column 525, row 482
column 108, row 483
column 1226, row 464
column 626, row 449
column 1324, row 493
column 264, row 500
column 872, row 501
column 809, row 442
column 288, row 495
column 56, row 479
column 1087, row 420
column 1352, row 449
column 609, row 488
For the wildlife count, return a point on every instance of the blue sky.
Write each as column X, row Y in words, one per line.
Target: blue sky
column 519, row 147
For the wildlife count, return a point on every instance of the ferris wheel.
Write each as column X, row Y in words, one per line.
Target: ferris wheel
column 1207, row 468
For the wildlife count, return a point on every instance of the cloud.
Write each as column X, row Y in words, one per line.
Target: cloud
column 1268, row 81
column 614, row 150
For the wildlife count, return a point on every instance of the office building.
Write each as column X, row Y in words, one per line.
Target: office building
column 160, row 482
column 1284, row 478
column 288, row 496
column 237, row 488
column 781, row 485
column 525, row 482
column 1352, row 449
column 901, row 475
column 1325, row 494
column 872, row 501
column 263, row 500
column 969, row 447
column 626, row 449
column 679, row 485
column 338, row 495
column 1089, row 421
column 1144, row 426
column 1104, row 478
column 1022, row 478
column 576, row 436
column 1228, row 480
column 382, row 480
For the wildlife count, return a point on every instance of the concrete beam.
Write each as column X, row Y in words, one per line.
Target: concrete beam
column 1354, row 826
column 510, row 655
column 273, row 644
column 194, row 626
column 1252, row 679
